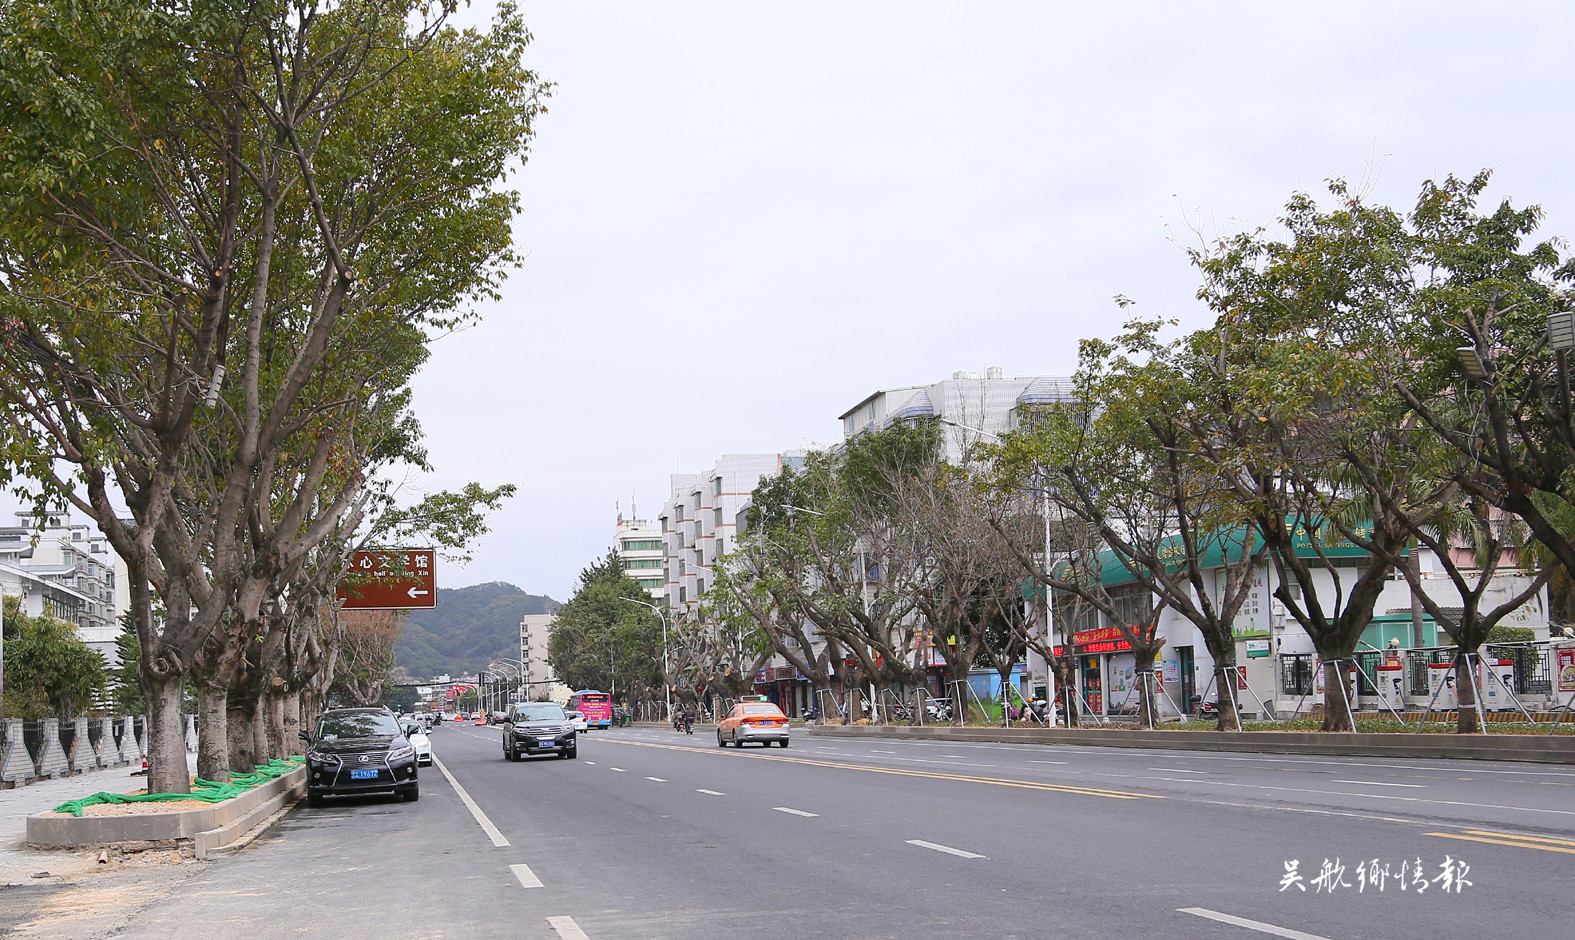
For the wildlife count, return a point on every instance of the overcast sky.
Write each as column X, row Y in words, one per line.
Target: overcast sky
column 742, row 219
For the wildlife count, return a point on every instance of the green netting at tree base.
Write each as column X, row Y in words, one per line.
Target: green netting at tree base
column 208, row 791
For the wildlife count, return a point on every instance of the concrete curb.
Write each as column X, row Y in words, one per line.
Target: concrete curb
column 211, row 827
column 1537, row 748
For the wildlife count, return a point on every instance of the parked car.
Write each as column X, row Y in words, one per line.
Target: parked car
column 357, row 751
column 753, row 720
column 578, row 720
column 417, row 736
column 538, row 728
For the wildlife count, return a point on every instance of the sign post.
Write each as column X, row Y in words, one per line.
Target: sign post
column 390, row 579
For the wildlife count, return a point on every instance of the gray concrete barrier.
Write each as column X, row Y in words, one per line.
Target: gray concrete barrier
column 218, row 824
column 1539, row 748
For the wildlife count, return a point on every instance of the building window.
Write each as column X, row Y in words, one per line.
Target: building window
column 716, row 486
column 641, row 545
column 643, row 563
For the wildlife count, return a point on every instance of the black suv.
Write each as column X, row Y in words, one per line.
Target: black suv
column 538, row 728
column 359, row 750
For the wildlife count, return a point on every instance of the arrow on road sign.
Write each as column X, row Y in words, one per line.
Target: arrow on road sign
column 416, row 593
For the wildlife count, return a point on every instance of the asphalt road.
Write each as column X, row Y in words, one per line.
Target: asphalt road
column 655, row 834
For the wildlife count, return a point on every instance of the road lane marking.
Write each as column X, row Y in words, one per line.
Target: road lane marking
column 567, row 928
column 656, row 779
column 883, row 752
column 1047, row 762
column 470, row 804
column 618, row 770
column 710, row 792
column 1173, row 770
column 1519, row 842
column 795, row 812
column 1257, row 925
column 1375, row 783
column 527, row 877
column 590, row 763
column 944, row 848
column 1511, row 835
column 897, row 771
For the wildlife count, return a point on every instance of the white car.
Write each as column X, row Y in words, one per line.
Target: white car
column 578, row 719
column 417, row 736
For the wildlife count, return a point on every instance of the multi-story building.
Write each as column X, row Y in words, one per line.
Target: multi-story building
column 535, row 631
column 698, row 521
column 968, row 406
column 64, row 570
column 638, row 545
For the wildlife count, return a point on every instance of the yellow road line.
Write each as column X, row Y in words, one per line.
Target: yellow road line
column 1518, row 845
column 1520, row 838
column 962, row 778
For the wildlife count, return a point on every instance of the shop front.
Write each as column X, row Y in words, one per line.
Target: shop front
column 1104, row 660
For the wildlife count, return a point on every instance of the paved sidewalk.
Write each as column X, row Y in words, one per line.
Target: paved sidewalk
column 18, row 862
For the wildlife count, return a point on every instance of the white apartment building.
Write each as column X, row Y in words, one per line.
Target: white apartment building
column 698, row 521
column 67, row 571
column 535, row 630
column 638, row 545
column 969, row 406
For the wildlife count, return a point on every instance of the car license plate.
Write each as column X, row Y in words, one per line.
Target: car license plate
column 544, row 742
column 367, row 774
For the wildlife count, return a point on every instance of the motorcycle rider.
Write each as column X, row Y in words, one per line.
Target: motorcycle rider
column 689, row 718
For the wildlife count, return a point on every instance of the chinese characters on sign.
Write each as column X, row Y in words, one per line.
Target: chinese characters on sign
column 390, row 579
column 1376, row 875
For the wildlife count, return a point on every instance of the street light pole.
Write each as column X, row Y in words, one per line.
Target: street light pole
column 667, row 686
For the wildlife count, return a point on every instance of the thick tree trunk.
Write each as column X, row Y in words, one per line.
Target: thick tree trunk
column 213, row 731
column 1466, row 697
column 279, row 744
column 1337, row 709
column 1229, row 698
column 167, row 771
column 242, row 717
column 1147, row 708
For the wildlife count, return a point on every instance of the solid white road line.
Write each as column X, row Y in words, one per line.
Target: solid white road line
column 567, row 928
column 470, row 804
column 710, row 792
column 795, row 812
column 527, row 877
column 944, row 848
column 1375, row 783
column 656, row 779
column 1257, row 925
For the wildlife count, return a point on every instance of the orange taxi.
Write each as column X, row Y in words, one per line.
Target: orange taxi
column 753, row 719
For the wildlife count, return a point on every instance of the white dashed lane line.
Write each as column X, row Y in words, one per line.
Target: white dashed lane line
column 794, row 812
column 618, row 770
column 709, row 792
column 1375, row 783
column 944, row 848
column 656, row 779
column 567, row 928
column 527, row 877
column 1258, row 925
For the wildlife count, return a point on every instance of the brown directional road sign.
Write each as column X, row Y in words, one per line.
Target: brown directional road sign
column 390, row 579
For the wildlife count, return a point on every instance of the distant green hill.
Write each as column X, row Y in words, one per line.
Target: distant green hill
column 469, row 628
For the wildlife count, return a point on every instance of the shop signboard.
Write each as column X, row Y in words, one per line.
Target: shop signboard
column 1258, row 649
column 1564, row 663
